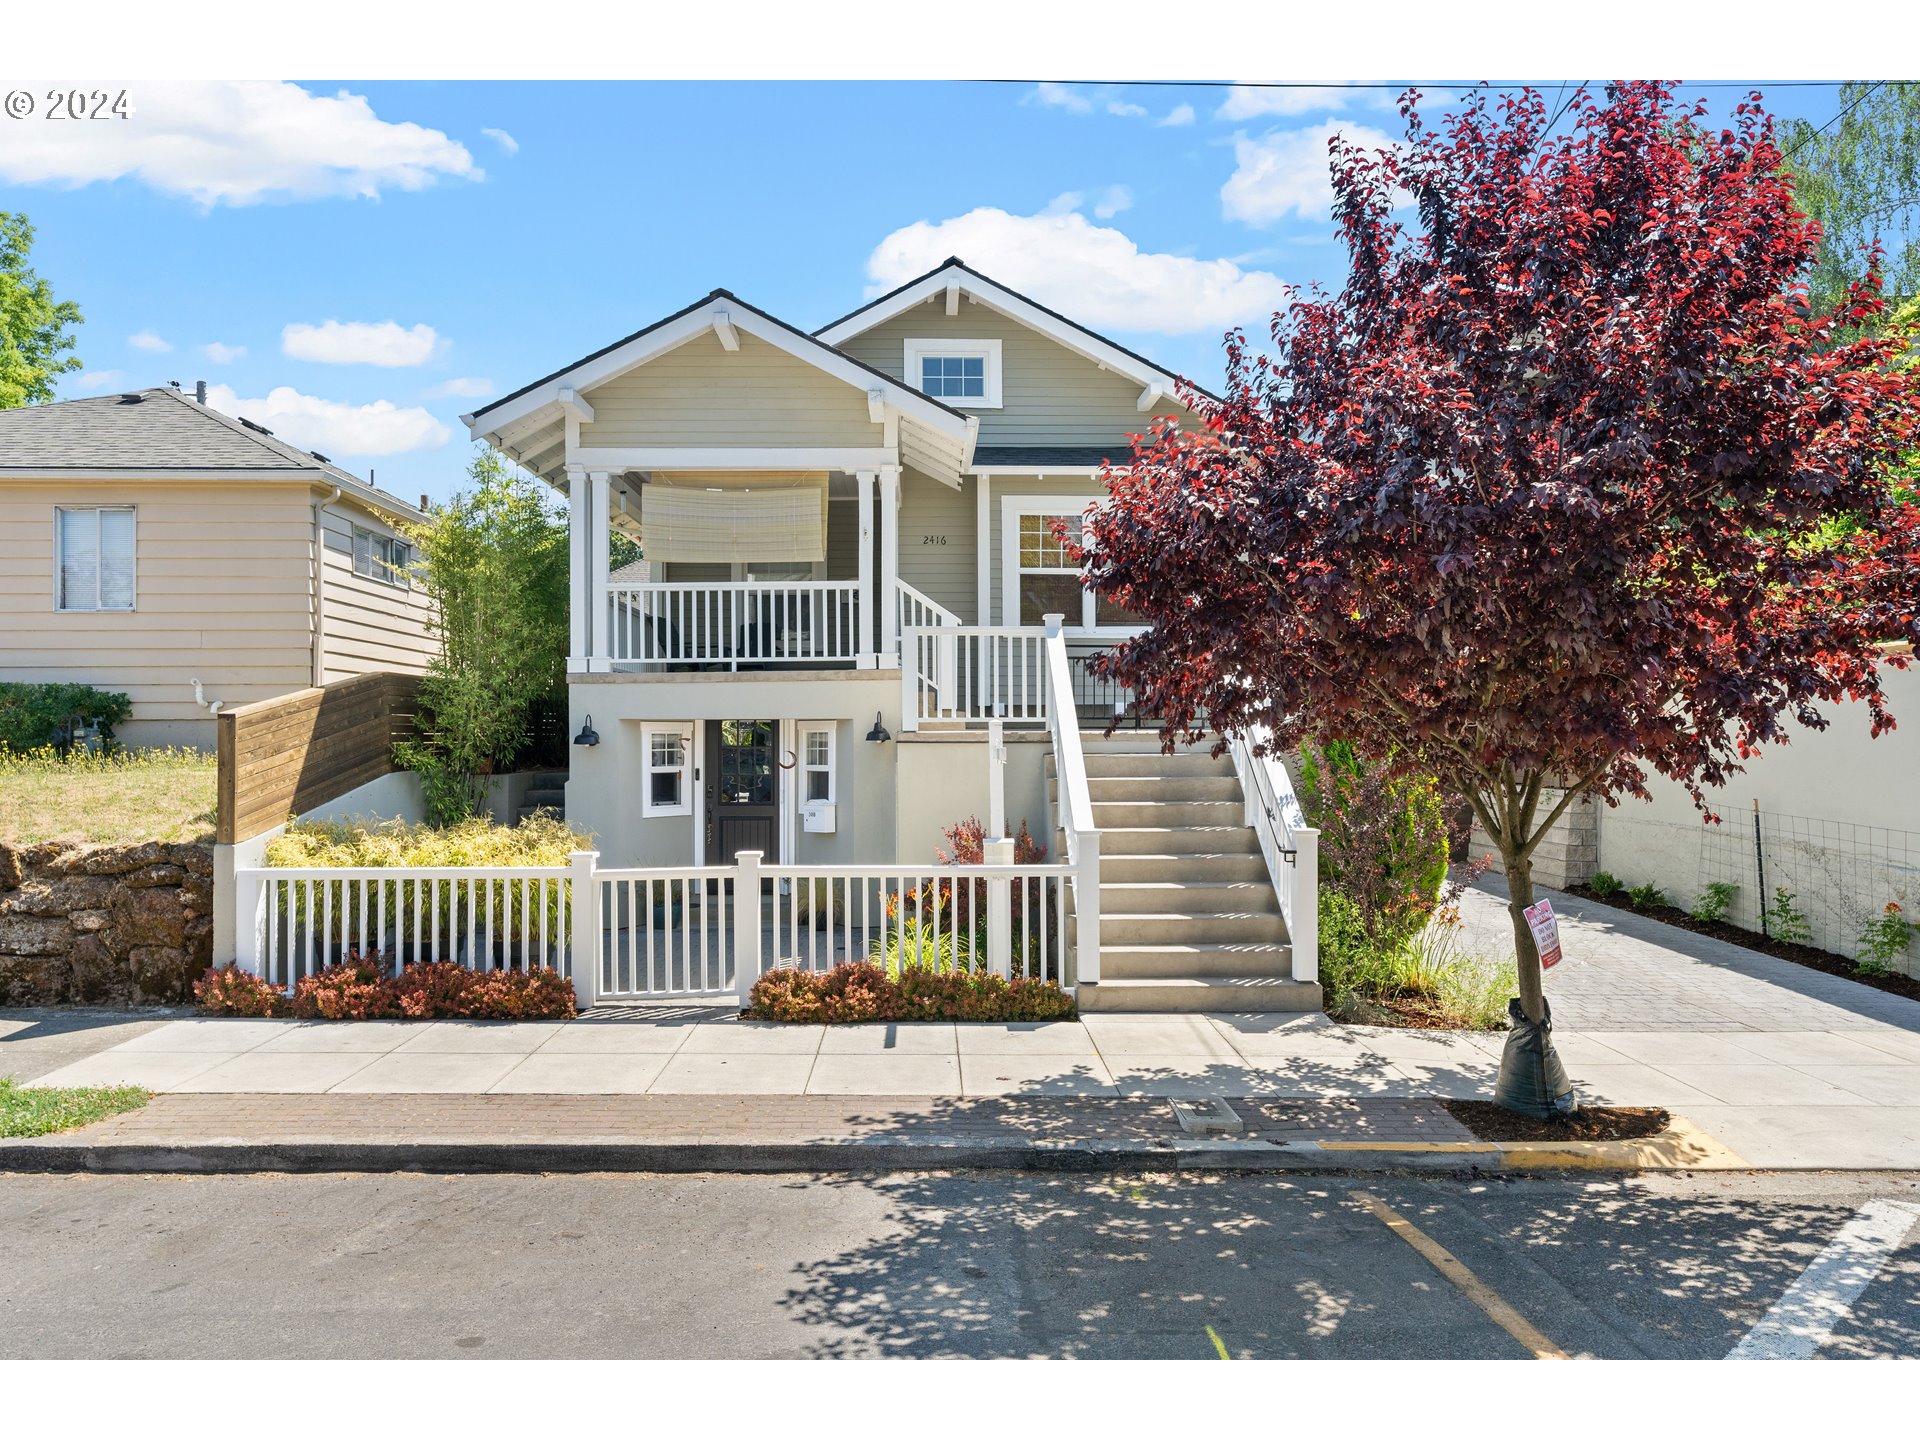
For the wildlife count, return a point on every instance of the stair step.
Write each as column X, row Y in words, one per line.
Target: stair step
column 1105, row 764
column 1200, row 993
column 1109, row 788
column 1176, row 962
column 1178, row 814
column 1177, row 840
column 1176, row 927
column 1219, row 868
column 1188, row 897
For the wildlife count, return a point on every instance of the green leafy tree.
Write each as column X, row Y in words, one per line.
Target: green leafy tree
column 1859, row 176
column 36, row 331
column 495, row 562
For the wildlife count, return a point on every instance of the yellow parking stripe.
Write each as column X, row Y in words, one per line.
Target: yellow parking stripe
column 1468, row 1283
column 1218, row 1344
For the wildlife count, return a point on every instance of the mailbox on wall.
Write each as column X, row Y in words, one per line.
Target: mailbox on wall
column 816, row 818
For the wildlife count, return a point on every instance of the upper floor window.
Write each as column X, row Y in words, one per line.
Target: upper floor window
column 381, row 557
column 964, row 373
column 94, row 563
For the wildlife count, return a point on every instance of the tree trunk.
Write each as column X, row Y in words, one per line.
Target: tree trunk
column 1526, row 953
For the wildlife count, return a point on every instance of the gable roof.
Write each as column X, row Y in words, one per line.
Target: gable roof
column 157, row 433
column 953, row 271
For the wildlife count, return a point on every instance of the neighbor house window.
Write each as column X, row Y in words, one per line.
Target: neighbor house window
column 816, row 764
column 964, row 373
column 1043, row 575
column 667, row 788
column 94, row 557
column 381, row 557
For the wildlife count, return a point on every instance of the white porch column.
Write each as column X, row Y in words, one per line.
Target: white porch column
column 889, row 565
column 599, row 541
column 578, row 577
column 866, row 659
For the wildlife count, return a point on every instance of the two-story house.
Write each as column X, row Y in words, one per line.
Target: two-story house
column 850, row 563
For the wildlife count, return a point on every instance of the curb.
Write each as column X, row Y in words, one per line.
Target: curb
column 1682, row 1148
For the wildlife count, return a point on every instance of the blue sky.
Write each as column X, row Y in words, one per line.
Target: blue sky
column 367, row 269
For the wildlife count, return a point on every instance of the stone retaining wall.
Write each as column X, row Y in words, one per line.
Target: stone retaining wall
column 104, row 924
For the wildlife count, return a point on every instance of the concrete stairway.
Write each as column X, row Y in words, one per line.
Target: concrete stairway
column 547, row 792
column 1188, row 916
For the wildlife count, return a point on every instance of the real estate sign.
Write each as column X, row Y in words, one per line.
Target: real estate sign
column 1546, row 933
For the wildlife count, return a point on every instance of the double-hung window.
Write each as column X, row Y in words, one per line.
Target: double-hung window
column 1042, row 536
column 963, row 373
column 816, row 764
column 93, row 557
column 667, row 784
column 381, row 557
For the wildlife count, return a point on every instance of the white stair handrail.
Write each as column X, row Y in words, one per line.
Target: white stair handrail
column 1290, row 846
column 1075, row 803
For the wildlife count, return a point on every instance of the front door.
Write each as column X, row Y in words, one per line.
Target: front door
column 743, row 790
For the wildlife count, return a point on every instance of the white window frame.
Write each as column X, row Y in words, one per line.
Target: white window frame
column 926, row 347
column 60, row 605
column 1012, row 509
column 807, row 767
column 385, row 571
column 687, row 734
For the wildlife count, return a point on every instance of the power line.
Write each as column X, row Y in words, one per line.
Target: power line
column 1395, row 85
column 1858, row 101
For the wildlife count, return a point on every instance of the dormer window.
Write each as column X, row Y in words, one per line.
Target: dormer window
column 963, row 373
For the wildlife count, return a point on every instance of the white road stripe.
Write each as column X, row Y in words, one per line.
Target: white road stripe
column 1802, row 1319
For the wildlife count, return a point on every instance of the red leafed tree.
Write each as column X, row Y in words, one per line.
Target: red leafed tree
column 1549, row 493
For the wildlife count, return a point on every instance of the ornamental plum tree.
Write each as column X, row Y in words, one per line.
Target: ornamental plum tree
column 1536, row 502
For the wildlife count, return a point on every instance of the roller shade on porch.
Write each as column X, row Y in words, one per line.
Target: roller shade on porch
column 734, row 518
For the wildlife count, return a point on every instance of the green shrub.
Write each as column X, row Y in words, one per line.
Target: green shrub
column 861, row 990
column 1604, row 882
column 1785, row 920
column 1715, row 901
column 33, row 715
column 540, row 839
column 1883, row 942
column 1645, row 897
column 1383, row 839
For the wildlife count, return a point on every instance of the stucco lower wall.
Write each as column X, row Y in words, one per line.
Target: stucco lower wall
column 943, row 779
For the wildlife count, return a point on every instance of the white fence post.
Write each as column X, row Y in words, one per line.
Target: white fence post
column 998, row 851
column 1306, row 905
column 248, row 891
column 746, row 923
column 584, row 939
column 1086, row 908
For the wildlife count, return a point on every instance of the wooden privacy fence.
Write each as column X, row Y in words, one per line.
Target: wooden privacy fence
column 282, row 756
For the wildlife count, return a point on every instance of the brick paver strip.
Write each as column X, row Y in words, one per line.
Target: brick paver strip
column 730, row 1122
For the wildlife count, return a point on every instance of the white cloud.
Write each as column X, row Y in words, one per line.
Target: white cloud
column 506, row 142
column 1092, row 272
column 223, row 354
column 239, row 143
column 1125, row 107
column 466, row 387
column 334, row 427
column 1112, row 201
column 1247, row 102
column 98, row 379
column 1179, row 115
column 148, row 341
column 354, row 342
column 1289, row 172
column 1052, row 92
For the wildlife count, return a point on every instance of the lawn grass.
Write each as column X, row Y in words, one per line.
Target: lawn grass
column 27, row 1112
column 121, row 799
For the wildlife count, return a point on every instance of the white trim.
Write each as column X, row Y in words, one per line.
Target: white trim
column 1149, row 397
column 805, row 767
column 100, row 562
column 982, row 553
column 924, row 347
column 1007, row 303
column 724, row 332
column 1030, row 472
column 889, row 503
column 578, row 411
column 729, row 457
column 599, row 563
column 1012, row 507
column 953, row 299
column 678, row 730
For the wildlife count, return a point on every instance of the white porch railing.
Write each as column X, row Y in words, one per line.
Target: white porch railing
column 1074, row 806
column 921, row 612
column 969, row 674
column 734, row 623
column 1290, row 845
column 295, row 922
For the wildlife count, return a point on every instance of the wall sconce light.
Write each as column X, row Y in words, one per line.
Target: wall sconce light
column 588, row 735
column 878, row 735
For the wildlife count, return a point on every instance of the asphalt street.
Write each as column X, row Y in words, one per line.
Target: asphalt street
column 948, row 1265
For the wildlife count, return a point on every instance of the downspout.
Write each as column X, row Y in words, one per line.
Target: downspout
column 320, row 589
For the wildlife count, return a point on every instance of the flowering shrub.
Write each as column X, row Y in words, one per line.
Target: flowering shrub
column 1883, row 941
column 364, row 987
column 861, row 990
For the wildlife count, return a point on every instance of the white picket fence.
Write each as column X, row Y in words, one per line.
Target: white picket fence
column 659, row 932
column 969, row 674
column 754, row 622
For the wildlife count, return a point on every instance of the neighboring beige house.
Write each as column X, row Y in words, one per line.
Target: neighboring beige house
column 152, row 545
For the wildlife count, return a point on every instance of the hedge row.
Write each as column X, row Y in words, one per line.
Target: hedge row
column 861, row 990
column 366, row 988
